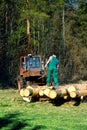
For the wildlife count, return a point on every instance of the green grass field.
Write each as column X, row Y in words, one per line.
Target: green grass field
column 15, row 114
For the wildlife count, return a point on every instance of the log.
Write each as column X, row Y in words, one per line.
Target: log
column 67, row 91
column 71, row 88
column 22, row 92
column 72, row 94
column 28, row 91
column 32, row 91
column 35, row 92
column 61, row 91
column 41, row 93
column 81, row 86
column 52, row 94
column 71, row 91
column 81, row 93
column 46, row 92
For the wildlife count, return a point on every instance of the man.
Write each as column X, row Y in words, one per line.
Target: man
column 52, row 64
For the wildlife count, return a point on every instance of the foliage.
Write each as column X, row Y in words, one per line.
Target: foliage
column 75, row 44
column 55, row 24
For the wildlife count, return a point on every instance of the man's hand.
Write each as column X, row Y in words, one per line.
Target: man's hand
column 45, row 66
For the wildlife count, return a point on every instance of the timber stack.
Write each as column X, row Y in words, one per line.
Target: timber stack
column 70, row 91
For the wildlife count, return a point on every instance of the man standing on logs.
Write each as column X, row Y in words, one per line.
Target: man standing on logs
column 52, row 64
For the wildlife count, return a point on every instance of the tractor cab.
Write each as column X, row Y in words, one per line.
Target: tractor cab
column 30, row 63
column 31, row 69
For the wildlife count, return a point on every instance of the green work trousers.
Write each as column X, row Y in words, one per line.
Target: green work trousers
column 52, row 72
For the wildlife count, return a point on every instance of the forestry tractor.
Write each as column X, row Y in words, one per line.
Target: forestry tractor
column 31, row 71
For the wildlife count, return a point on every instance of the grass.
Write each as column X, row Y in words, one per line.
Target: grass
column 15, row 114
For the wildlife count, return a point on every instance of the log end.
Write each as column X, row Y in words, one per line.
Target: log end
column 41, row 93
column 72, row 94
column 22, row 92
column 52, row 94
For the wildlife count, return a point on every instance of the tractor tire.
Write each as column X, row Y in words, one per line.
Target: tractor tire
column 20, row 83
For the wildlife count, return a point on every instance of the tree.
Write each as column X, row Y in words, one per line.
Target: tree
column 54, row 25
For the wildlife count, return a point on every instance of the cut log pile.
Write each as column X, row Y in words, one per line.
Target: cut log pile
column 70, row 91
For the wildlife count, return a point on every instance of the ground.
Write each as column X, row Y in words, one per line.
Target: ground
column 15, row 114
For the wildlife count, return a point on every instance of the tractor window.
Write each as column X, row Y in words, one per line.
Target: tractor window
column 23, row 63
column 33, row 62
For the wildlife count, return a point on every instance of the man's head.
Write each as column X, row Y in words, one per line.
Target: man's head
column 29, row 55
column 54, row 53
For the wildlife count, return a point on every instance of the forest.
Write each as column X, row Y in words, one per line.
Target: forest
column 55, row 25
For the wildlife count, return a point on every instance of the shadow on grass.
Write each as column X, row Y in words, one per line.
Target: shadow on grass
column 39, row 127
column 59, row 102
column 10, row 119
column 11, row 122
column 77, row 102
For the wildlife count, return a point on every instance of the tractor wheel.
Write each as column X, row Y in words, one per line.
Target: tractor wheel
column 20, row 82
